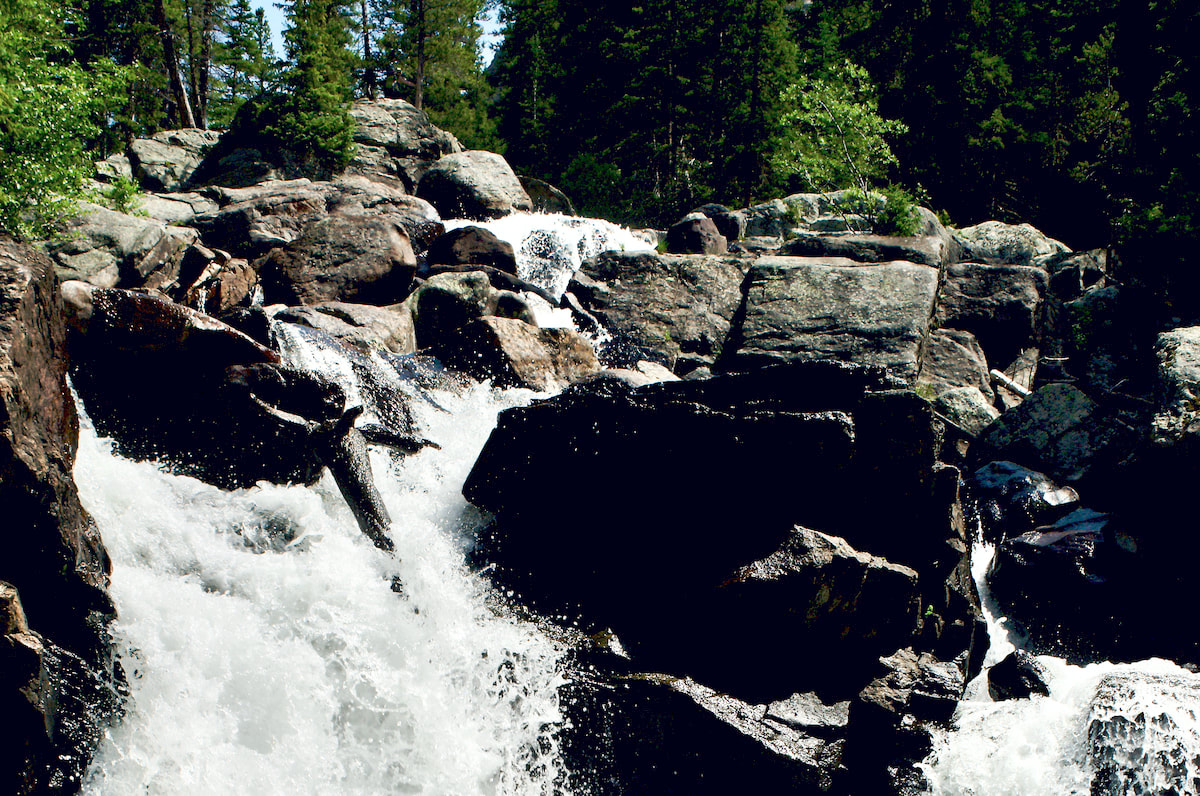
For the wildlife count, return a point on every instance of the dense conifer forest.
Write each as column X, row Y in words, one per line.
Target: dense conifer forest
column 1076, row 117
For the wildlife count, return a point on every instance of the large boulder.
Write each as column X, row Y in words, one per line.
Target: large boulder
column 175, row 208
column 356, row 259
column 1018, row 676
column 111, row 249
column 696, row 234
column 513, row 353
column 1011, row 500
column 166, row 161
column 678, row 308
column 472, row 245
column 1000, row 304
column 666, row 454
column 545, row 197
column 1012, row 244
column 1060, row 431
column 656, row 733
column 862, row 248
column 451, row 300
column 254, row 220
column 953, row 358
column 473, row 184
column 799, row 308
column 52, row 552
column 396, row 139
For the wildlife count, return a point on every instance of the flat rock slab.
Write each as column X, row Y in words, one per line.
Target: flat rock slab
column 834, row 308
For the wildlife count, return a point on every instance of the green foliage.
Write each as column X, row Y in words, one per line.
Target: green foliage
column 835, row 136
column 898, row 213
column 123, row 195
column 311, row 121
column 245, row 61
column 47, row 114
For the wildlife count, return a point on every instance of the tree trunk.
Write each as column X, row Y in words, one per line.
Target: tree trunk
column 369, row 70
column 183, row 107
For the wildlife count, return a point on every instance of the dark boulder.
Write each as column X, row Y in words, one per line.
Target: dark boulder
column 1010, row 500
column 52, row 552
column 254, row 220
column 731, row 224
column 654, row 733
column 472, row 246
column 360, row 260
column 696, row 234
column 545, row 197
column 952, row 358
column 1018, row 676
column 450, row 300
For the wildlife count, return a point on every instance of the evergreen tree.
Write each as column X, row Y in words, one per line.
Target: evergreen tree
column 245, row 61
column 311, row 121
column 429, row 53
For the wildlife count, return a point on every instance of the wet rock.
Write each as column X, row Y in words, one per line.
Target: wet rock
column 653, row 733
column 475, row 185
column 800, row 308
column 236, row 167
column 1018, row 676
column 680, row 308
column 1141, row 737
column 1012, row 499
column 953, row 359
column 862, row 248
column 222, row 284
column 814, row 592
column 448, row 301
column 892, row 718
column 166, row 161
column 696, row 234
column 358, row 325
column 1072, row 585
column 254, row 220
column 1013, row 244
column 472, row 246
column 108, row 248
column 52, row 552
column 513, row 353
column 364, row 260
column 1000, row 304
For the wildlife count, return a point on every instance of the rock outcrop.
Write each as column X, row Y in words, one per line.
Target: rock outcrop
column 473, row 184
column 55, row 665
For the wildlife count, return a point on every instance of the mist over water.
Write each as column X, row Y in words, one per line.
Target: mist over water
column 267, row 652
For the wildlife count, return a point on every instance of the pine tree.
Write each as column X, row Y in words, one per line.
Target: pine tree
column 245, row 61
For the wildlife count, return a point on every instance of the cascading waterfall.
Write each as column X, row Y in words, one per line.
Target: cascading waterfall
column 550, row 247
column 1105, row 729
column 267, row 651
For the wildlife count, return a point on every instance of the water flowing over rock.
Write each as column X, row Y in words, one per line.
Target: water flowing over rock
column 53, row 651
column 1011, row 500
column 816, row 308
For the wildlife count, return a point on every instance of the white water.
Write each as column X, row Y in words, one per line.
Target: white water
column 551, row 247
column 1040, row 746
column 263, row 667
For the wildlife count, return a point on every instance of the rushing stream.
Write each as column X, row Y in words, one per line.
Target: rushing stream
column 267, row 652
column 1141, row 718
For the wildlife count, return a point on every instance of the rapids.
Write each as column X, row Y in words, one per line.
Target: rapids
column 267, row 652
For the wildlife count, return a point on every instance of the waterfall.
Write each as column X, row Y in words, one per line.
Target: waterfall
column 1105, row 729
column 550, row 247
column 267, row 651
